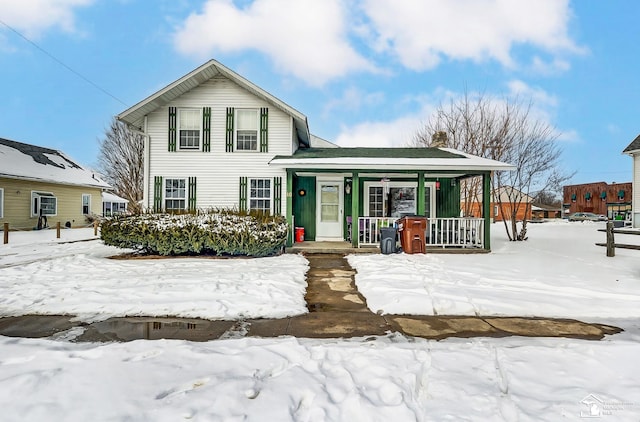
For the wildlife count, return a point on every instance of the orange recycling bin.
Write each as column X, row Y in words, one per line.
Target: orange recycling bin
column 299, row 234
column 412, row 234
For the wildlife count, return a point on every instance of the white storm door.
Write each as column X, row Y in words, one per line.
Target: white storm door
column 329, row 210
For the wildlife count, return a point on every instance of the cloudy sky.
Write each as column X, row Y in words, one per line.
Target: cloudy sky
column 365, row 72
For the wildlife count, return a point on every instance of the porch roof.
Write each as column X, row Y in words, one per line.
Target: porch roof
column 430, row 159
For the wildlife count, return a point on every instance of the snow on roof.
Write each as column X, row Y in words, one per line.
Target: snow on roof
column 388, row 158
column 110, row 197
column 31, row 162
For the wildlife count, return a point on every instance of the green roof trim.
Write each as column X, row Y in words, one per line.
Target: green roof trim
column 368, row 153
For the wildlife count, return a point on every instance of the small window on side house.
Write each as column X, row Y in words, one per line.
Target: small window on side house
column 189, row 121
column 175, row 194
column 86, row 204
column 247, row 129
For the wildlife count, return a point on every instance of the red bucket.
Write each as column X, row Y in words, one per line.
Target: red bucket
column 299, row 234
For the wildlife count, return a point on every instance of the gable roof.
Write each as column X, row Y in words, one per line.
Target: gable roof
column 30, row 162
column 433, row 159
column 633, row 146
column 134, row 116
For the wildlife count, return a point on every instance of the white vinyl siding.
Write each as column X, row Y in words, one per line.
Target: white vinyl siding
column 189, row 125
column 86, row 204
column 175, row 194
column 218, row 171
column 246, row 129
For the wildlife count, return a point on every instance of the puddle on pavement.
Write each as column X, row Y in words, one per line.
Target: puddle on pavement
column 117, row 329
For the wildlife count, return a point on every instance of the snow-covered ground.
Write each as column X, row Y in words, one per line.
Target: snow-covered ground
column 289, row 379
column 558, row 272
column 40, row 275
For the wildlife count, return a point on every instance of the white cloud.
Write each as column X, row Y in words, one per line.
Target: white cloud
column 421, row 33
column 398, row 132
column 540, row 97
column 306, row 38
column 33, row 17
column 354, row 99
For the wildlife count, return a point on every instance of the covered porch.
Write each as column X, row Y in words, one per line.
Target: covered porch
column 350, row 194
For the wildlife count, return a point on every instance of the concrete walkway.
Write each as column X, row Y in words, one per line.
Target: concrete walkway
column 336, row 309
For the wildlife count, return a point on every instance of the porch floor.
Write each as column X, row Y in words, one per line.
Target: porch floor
column 347, row 248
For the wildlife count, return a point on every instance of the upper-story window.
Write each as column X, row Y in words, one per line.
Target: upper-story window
column 189, row 122
column 246, row 129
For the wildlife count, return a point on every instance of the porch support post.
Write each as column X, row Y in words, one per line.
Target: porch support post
column 289, row 210
column 486, row 208
column 355, row 209
column 420, row 203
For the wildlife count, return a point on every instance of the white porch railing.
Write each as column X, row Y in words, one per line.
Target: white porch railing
column 368, row 229
column 455, row 232
column 441, row 232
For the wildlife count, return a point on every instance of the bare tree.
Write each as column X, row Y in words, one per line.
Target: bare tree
column 121, row 162
column 503, row 130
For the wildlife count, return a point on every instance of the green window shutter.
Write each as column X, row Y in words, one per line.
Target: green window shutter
column 243, row 194
column 621, row 194
column 587, row 196
column 192, row 194
column 206, row 129
column 603, row 195
column 264, row 129
column 229, row 144
column 157, row 194
column 277, row 195
column 172, row 128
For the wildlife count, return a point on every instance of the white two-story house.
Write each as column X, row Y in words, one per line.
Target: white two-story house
column 216, row 140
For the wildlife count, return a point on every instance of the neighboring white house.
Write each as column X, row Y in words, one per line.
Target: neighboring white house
column 214, row 139
column 112, row 204
column 634, row 151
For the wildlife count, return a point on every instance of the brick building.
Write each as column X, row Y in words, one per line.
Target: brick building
column 600, row 198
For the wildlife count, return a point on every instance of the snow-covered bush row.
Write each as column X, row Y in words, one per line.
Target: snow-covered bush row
column 219, row 232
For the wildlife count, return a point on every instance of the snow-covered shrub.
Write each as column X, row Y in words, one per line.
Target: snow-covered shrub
column 219, row 232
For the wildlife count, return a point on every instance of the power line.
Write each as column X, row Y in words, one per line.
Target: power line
column 60, row 62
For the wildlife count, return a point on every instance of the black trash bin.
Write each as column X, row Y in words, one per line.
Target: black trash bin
column 388, row 240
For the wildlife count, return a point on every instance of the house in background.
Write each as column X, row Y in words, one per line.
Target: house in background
column 511, row 199
column 40, row 187
column 112, row 204
column 543, row 211
column 633, row 150
column 215, row 139
column 612, row 200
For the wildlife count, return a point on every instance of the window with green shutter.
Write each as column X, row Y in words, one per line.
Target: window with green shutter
column 192, row 194
column 264, row 129
column 157, row 194
column 173, row 119
column 229, row 140
column 206, row 129
column 243, row 194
